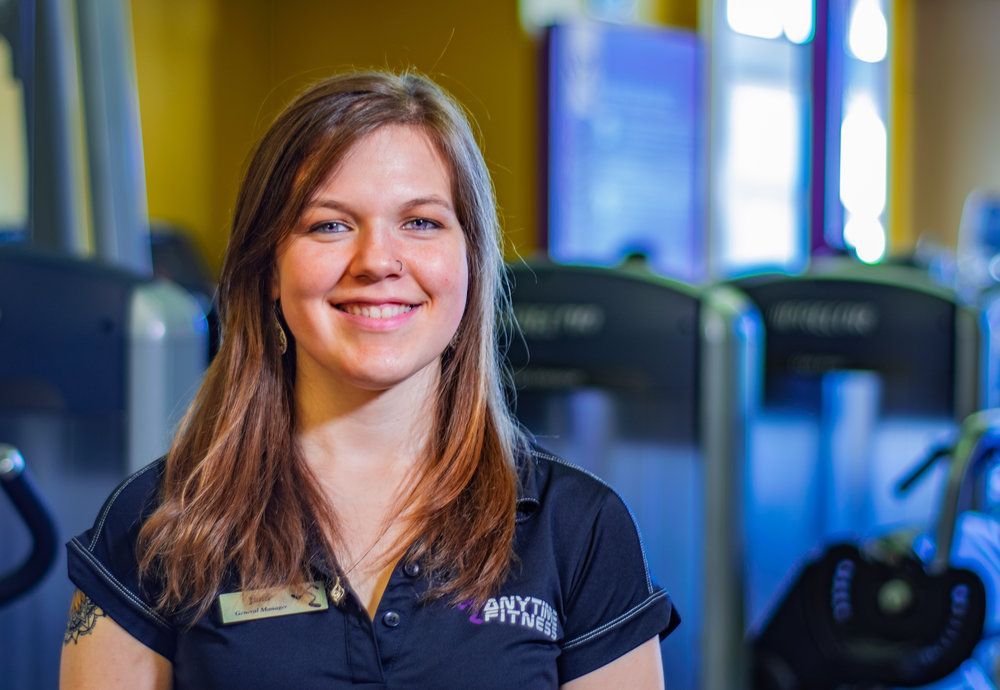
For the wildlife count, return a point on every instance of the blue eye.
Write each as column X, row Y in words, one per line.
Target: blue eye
column 422, row 224
column 329, row 227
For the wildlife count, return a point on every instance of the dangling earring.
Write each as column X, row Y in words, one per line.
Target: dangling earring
column 279, row 331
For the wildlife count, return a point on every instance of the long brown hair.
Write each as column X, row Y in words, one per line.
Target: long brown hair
column 236, row 493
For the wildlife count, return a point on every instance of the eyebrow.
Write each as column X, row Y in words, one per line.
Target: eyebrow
column 430, row 199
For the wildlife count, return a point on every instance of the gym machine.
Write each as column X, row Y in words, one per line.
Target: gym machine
column 888, row 611
column 649, row 384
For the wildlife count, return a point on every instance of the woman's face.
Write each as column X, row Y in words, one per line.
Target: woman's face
column 373, row 280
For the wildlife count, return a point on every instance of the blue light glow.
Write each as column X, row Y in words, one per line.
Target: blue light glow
column 624, row 148
column 992, row 489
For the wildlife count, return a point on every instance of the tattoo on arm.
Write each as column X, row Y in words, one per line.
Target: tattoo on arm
column 83, row 615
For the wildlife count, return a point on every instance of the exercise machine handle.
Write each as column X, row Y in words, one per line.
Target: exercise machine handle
column 978, row 442
column 917, row 473
column 20, row 489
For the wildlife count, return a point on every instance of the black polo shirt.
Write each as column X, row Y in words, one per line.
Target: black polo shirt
column 579, row 597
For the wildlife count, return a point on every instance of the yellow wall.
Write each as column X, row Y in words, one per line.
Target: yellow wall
column 173, row 44
column 956, row 140
column 900, row 226
column 678, row 13
column 212, row 75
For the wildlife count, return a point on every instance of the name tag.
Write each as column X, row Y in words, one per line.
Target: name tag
column 236, row 607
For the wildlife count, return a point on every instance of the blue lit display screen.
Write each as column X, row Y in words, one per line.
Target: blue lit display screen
column 624, row 147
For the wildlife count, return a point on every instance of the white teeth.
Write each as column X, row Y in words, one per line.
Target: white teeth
column 386, row 312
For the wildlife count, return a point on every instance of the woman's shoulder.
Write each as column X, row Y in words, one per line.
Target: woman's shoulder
column 576, row 504
column 110, row 543
column 130, row 503
column 548, row 478
column 608, row 602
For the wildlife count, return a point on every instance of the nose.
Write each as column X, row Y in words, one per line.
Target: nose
column 375, row 256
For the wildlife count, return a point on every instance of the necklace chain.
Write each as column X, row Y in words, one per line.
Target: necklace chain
column 368, row 550
column 337, row 591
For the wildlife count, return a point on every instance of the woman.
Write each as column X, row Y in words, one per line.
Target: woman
column 348, row 501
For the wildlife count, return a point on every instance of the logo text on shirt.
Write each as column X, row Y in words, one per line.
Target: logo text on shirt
column 523, row 612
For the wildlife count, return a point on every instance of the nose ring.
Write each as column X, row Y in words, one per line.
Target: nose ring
column 400, row 265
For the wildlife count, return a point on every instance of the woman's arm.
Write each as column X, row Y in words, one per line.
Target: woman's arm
column 98, row 653
column 640, row 668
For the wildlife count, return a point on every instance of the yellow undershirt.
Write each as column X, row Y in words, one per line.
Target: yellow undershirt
column 381, row 581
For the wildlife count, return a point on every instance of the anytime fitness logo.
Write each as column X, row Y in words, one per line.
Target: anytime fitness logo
column 824, row 318
column 522, row 612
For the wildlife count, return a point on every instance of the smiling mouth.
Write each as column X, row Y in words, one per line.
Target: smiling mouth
column 375, row 311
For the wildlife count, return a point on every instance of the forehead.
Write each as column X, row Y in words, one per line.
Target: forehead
column 400, row 158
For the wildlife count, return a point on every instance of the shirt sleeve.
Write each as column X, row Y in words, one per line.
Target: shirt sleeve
column 102, row 563
column 614, row 606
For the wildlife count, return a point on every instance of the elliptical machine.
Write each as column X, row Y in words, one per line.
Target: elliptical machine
column 878, row 614
column 28, row 502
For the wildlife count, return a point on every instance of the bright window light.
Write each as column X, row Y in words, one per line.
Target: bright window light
column 761, row 230
column 764, row 133
column 760, row 172
column 797, row 18
column 771, row 18
column 760, row 18
column 862, row 159
column 537, row 14
column 868, row 33
column 867, row 237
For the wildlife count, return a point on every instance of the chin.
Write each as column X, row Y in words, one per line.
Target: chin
column 373, row 384
column 386, row 377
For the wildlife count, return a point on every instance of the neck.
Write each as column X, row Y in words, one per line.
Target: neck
column 362, row 441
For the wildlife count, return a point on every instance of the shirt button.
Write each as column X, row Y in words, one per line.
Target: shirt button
column 390, row 619
column 412, row 568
